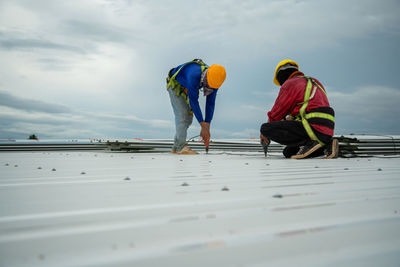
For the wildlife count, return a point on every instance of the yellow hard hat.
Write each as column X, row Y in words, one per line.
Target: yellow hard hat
column 216, row 76
column 280, row 64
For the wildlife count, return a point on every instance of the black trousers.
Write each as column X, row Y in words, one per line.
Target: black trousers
column 290, row 133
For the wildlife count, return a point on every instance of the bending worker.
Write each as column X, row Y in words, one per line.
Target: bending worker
column 184, row 84
column 301, row 117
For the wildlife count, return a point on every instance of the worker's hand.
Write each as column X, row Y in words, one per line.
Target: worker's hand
column 205, row 132
column 263, row 139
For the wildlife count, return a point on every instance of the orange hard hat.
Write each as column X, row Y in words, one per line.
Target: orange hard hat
column 216, row 76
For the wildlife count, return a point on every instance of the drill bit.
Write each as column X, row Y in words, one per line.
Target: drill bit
column 265, row 147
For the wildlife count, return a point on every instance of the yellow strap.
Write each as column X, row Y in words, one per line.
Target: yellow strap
column 302, row 112
column 172, row 79
column 310, row 132
column 320, row 115
column 319, row 86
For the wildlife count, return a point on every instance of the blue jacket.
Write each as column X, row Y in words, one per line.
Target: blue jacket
column 189, row 77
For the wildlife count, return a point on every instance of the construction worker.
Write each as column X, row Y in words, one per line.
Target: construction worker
column 184, row 84
column 301, row 117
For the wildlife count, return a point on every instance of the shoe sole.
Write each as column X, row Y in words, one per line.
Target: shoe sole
column 187, row 153
column 335, row 150
column 302, row 156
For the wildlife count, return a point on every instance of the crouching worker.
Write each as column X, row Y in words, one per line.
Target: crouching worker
column 301, row 117
column 184, row 84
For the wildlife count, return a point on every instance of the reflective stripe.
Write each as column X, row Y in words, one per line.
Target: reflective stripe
column 310, row 132
column 320, row 115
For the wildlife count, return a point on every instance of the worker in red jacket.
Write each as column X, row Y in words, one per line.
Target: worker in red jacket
column 301, row 117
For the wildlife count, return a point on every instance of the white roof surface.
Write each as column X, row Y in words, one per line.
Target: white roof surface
column 220, row 209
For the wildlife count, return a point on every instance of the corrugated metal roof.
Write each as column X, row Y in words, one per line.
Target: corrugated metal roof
column 220, row 209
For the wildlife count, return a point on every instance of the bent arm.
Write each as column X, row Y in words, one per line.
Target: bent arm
column 210, row 106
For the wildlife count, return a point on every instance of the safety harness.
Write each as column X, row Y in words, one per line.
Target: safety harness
column 176, row 86
column 311, row 89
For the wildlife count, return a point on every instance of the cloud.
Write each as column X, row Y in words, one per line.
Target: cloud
column 9, row 100
column 98, row 32
column 13, row 43
column 376, row 101
column 369, row 109
column 24, row 116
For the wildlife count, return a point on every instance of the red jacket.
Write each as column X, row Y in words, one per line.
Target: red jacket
column 290, row 98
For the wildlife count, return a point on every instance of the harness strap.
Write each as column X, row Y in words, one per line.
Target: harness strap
column 320, row 115
column 171, row 80
column 311, row 85
column 179, row 89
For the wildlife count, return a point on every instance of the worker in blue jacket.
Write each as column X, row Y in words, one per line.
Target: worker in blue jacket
column 184, row 84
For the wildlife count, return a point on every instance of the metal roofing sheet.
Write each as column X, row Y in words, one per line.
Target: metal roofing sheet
column 220, row 209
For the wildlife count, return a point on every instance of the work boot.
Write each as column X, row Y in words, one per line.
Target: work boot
column 187, row 151
column 332, row 149
column 307, row 149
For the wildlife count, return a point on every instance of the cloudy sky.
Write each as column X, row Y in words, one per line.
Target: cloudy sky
column 97, row 68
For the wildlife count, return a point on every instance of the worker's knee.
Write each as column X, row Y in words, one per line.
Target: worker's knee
column 266, row 129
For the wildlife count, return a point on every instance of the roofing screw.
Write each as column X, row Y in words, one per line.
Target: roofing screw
column 83, row 172
column 277, row 196
column 185, row 184
column 39, row 168
column 379, row 169
column 316, row 167
column 345, row 169
column 246, row 163
column 15, row 165
column 53, row 169
column 225, row 188
column 7, row 164
column 127, row 178
column 209, row 161
column 181, row 160
column 267, row 164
